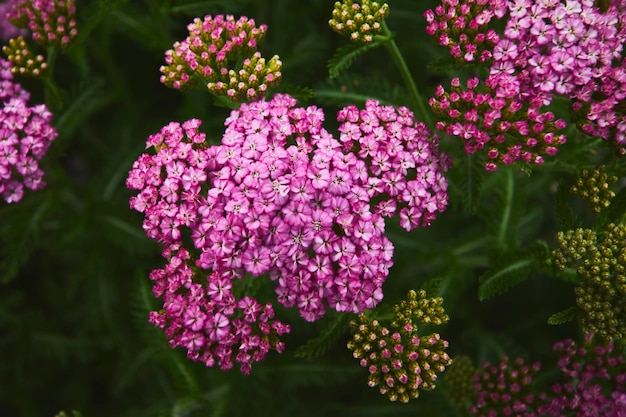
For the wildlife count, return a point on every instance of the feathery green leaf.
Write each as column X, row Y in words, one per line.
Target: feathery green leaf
column 563, row 316
column 345, row 56
column 511, row 268
column 318, row 345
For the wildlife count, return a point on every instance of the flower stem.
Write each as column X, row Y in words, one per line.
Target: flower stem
column 406, row 75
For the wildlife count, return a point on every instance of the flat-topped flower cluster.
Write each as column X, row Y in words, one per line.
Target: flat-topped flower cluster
column 549, row 48
column 25, row 136
column 280, row 196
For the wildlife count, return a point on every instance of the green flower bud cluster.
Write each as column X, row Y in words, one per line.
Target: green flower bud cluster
column 600, row 260
column 400, row 363
column 220, row 54
column 504, row 389
column 458, row 380
column 359, row 21
column 22, row 59
column 593, row 186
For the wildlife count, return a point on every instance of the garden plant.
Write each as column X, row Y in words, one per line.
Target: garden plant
column 313, row 208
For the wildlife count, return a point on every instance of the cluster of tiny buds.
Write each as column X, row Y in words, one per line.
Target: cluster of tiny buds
column 593, row 186
column 22, row 59
column 51, row 22
column 427, row 310
column 206, row 58
column 601, row 268
column 595, row 381
column 504, row 389
column 490, row 117
column 462, row 27
column 458, row 381
column 399, row 362
column 251, row 81
column 361, row 22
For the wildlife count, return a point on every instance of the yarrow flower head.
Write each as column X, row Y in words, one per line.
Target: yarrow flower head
column 458, row 381
column 7, row 29
column 361, row 22
column 593, row 185
column 209, row 56
column 280, row 196
column 593, row 383
column 51, row 22
column 22, row 59
column 405, row 165
column 401, row 363
column 491, row 118
column 600, row 261
column 505, row 389
column 25, row 136
column 462, row 27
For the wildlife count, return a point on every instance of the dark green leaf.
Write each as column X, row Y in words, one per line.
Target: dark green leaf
column 563, row 316
column 320, row 344
column 345, row 56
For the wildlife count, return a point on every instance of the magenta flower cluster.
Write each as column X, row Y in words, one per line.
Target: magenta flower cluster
column 280, row 196
column 490, row 117
column 594, row 381
column 505, row 389
column 220, row 54
column 572, row 49
column 462, row 27
column 7, row 29
column 25, row 136
column 548, row 48
column 51, row 22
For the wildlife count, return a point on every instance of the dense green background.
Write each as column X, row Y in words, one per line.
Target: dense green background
column 75, row 293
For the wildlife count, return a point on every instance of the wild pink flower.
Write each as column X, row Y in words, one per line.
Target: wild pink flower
column 25, row 136
column 593, row 383
column 51, row 22
column 280, row 196
column 221, row 54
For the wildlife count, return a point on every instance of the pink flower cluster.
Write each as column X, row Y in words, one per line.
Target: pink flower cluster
column 547, row 48
column 505, row 389
column 52, row 22
column 25, row 136
column 490, row 117
column 595, row 381
column 7, row 29
column 462, row 27
column 208, row 56
column 280, row 196
column 572, row 49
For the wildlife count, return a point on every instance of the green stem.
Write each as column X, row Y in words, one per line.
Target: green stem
column 508, row 206
column 406, row 75
column 51, row 90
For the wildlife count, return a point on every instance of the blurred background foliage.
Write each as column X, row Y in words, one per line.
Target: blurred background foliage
column 74, row 264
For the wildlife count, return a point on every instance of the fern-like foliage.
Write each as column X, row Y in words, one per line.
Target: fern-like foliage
column 19, row 233
column 511, row 268
column 296, row 91
column 317, row 346
column 469, row 174
column 345, row 56
column 563, row 316
column 350, row 88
